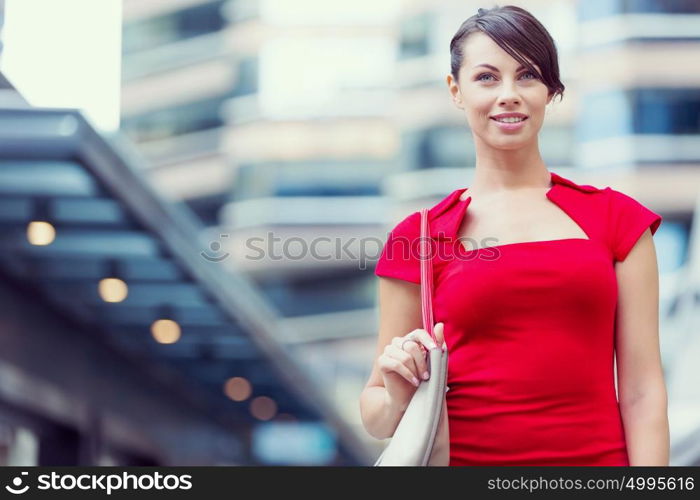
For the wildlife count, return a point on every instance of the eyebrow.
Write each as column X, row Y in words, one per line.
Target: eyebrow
column 494, row 68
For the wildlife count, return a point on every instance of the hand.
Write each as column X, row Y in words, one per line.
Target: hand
column 403, row 364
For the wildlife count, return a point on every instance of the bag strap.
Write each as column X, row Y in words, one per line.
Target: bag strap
column 426, row 274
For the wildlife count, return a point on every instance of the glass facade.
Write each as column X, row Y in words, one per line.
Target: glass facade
column 337, row 291
column 640, row 111
column 596, row 9
column 666, row 111
column 207, row 207
column 435, row 147
column 415, row 36
column 453, row 146
column 153, row 32
column 247, row 81
column 310, row 178
column 186, row 118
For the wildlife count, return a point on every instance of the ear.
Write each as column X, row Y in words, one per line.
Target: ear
column 455, row 92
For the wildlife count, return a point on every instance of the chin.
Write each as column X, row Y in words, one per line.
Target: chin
column 509, row 143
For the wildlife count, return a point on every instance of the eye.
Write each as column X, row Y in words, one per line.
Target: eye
column 479, row 78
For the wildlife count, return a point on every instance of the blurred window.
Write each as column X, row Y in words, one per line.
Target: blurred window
column 309, row 178
column 595, row 9
column 415, row 36
column 187, row 23
column 337, row 291
column 247, row 82
column 187, row 118
column 666, row 111
column 640, row 111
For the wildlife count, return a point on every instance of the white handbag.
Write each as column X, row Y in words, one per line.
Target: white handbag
column 422, row 437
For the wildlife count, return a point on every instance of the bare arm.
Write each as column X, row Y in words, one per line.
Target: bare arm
column 641, row 386
column 399, row 314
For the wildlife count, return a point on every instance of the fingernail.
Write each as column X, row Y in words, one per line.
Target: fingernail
column 426, row 375
column 415, row 381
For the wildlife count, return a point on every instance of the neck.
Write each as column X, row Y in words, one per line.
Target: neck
column 504, row 170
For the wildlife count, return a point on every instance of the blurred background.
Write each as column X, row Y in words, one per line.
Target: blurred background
column 193, row 194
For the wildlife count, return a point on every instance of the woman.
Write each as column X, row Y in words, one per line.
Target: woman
column 533, row 323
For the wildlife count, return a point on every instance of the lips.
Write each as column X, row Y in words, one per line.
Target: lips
column 510, row 126
column 523, row 118
column 511, row 114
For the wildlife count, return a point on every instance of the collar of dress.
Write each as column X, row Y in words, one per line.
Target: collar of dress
column 446, row 217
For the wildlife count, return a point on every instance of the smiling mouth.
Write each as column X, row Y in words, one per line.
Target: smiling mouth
column 517, row 121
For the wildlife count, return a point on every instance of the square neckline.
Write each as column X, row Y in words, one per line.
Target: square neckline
column 464, row 203
column 463, row 249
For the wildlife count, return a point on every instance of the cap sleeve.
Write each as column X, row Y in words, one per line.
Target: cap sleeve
column 400, row 255
column 628, row 220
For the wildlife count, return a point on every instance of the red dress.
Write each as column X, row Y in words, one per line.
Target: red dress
column 530, row 329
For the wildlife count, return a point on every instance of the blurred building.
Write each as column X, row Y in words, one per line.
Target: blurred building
column 177, row 76
column 276, row 116
column 123, row 343
column 2, row 23
column 288, row 127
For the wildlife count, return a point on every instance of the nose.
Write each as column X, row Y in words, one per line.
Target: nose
column 509, row 95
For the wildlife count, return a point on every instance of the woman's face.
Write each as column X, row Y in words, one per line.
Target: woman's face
column 484, row 92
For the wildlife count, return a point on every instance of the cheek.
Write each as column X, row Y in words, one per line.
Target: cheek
column 538, row 117
column 478, row 111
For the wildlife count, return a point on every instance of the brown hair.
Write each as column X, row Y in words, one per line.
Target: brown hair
column 511, row 26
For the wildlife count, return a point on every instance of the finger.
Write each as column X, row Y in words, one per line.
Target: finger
column 398, row 341
column 425, row 338
column 406, row 340
column 389, row 364
column 405, row 357
column 415, row 350
column 439, row 331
